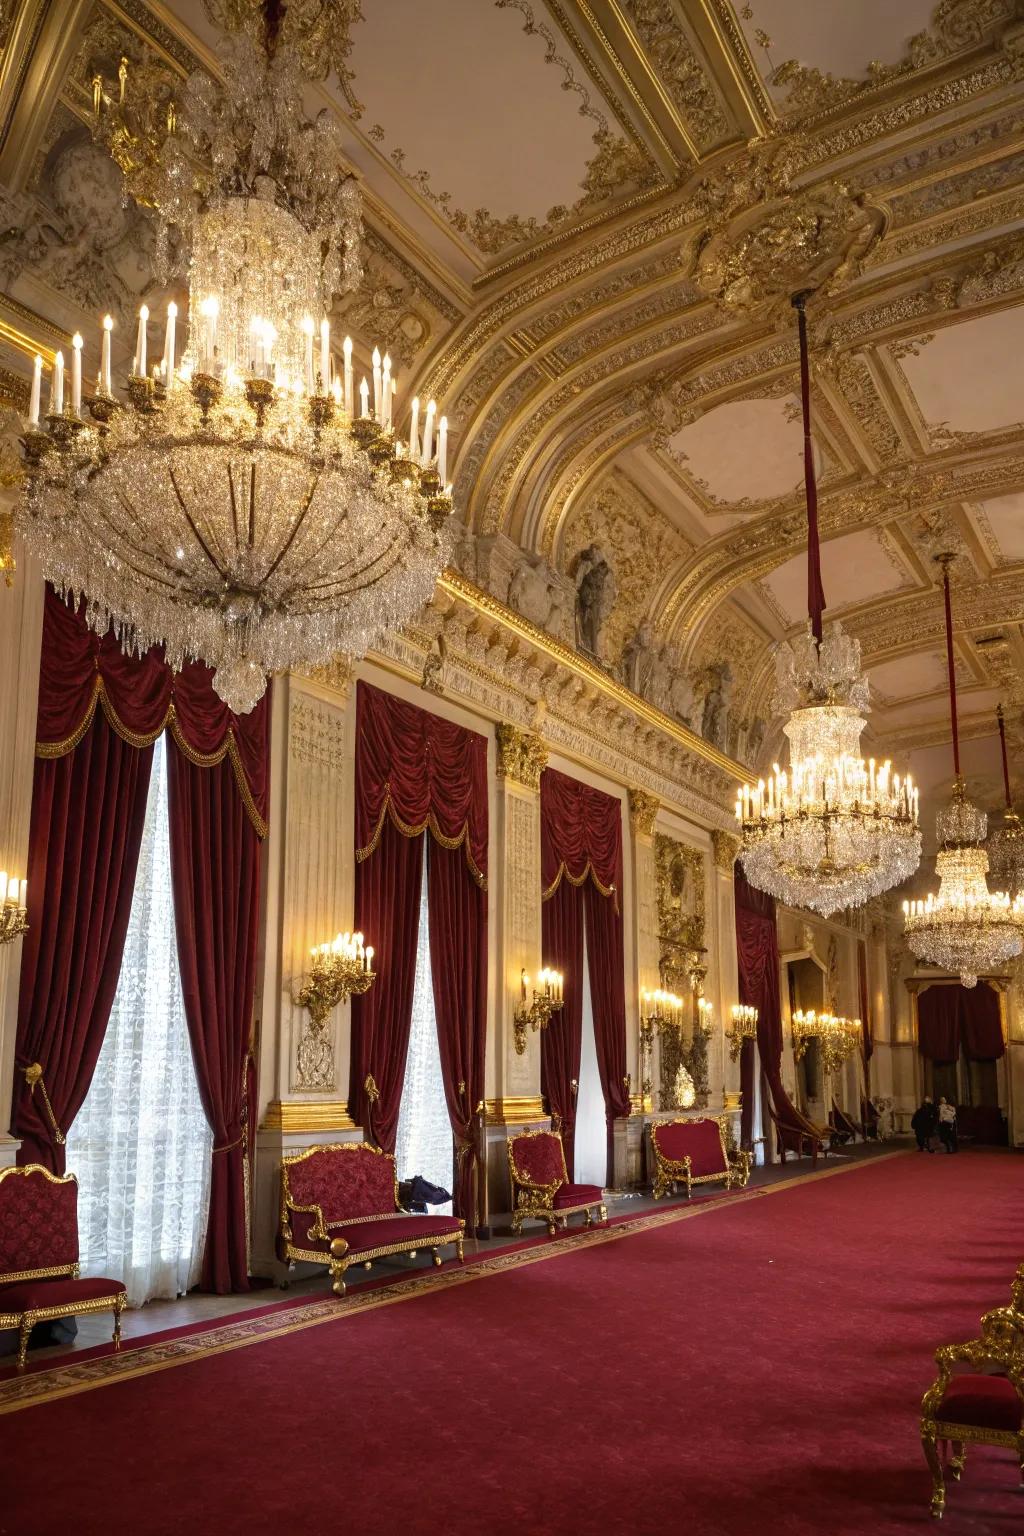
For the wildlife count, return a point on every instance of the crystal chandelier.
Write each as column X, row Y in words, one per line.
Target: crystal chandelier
column 831, row 831
column 966, row 928
column 245, row 505
column 1005, row 846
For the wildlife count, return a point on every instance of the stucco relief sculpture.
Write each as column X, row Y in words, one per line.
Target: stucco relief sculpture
column 655, row 672
column 596, row 591
column 717, row 704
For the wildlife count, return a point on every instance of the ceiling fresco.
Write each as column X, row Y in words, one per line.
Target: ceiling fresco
column 584, row 220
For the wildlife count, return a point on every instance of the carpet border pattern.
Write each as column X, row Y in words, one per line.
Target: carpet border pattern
column 65, row 1379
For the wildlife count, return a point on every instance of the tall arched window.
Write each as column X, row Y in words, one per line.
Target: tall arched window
column 141, row 1143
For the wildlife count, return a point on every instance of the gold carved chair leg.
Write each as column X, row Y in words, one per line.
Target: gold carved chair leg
column 933, row 1457
column 339, row 1264
column 119, row 1306
column 460, row 1249
column 959, row 1457
column 24, row 1334
column 436, row 1258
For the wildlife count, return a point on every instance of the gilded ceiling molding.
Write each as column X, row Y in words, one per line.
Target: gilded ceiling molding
column 661, row 29
column 956, row 27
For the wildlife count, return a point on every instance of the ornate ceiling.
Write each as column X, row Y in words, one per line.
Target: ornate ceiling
column 584, row 221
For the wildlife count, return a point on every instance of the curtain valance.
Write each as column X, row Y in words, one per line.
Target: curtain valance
column 580, row 835
column 951, row 1017
column 140, row 697
column 423, row 773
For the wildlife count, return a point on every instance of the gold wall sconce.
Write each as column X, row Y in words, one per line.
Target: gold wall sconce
column 537, row 1014
column 13, row 907
column 338, row 970
column 744, row 1027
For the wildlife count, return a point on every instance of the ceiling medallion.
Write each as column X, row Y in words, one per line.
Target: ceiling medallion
column 966, row 928
column 764, row 236
column 246, row 504
column 1005, row 846
column 830, row 831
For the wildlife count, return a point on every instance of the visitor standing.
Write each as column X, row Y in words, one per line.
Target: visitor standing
column 923, row 1123
column 947, row 1125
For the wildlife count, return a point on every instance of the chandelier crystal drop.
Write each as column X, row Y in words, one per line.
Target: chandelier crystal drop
column 965, row 928
column 245, row 504
column 830, row 831
column 1005, row 846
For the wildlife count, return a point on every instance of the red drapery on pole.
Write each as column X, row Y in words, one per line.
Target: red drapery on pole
column 215, row 873
column 951, row 1017
column 417, row 772
column 581, row 864
column 562, row 1041
column 387, row 910
column 757, row 953
column 88, row 810
column 457, row 908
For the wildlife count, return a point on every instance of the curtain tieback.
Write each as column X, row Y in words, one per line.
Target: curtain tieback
column 34, row 1076
column 228, row 1146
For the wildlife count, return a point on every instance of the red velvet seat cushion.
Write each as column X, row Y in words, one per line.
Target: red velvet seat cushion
column 31, row 1295
column 699, row 1140
column 577, row 1194
column 365, row 1236
column 537, row 1157
column 984, row 1402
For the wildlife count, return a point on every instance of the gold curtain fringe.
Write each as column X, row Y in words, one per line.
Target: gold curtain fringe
column 139, row 740
column 406, row 829
column 578, row 880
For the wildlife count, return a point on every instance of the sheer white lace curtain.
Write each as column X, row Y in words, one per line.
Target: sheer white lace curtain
column 424, row 1141
column 141, row 1143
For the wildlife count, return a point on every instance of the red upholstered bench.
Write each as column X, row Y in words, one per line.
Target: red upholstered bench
column 339, row 1206
column 541, row 1190
column 984, row 1405
column 695, row 1150
column 39, row 1278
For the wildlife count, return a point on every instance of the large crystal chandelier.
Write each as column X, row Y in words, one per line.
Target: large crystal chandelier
column 831, row 830
column 966, row 928
column 244, row 503
column 1005, row 846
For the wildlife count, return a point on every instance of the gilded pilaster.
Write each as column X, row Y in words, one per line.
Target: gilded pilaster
column 21, row 626
column 643, row 812
column 521, row 756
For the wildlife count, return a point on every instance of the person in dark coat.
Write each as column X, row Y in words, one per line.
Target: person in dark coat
column 923, row 1123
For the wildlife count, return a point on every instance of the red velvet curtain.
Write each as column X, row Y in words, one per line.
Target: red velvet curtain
column 562, row 1041
column 951, row 1017
column 215, row 874
column 417, row 772
column 980, row 1024
column 757, row 952
column 88, row 811
column 388, row 887
column 581, row 867
column 423, row 773
column 140, row 697
column 458, row 968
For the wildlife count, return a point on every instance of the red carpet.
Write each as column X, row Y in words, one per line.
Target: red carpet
column 754, row 1367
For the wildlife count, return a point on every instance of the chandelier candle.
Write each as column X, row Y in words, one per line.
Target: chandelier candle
column 229, row 505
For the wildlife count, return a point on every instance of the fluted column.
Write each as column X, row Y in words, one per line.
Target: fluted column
column 643, row 813
column 516, row 874
column 725, row 848
column 21, row 628
column 310, row 896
